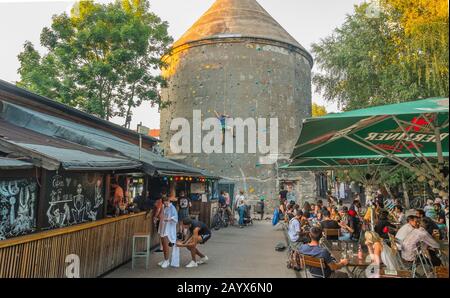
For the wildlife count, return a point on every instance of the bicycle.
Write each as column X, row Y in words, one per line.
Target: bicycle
column 220, row 219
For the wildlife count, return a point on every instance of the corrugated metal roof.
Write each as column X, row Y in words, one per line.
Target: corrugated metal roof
column 84, row 136
column 14, row 164
column 13, row 89
column 70, row 156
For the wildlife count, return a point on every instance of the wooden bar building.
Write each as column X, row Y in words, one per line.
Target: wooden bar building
column 56, row 167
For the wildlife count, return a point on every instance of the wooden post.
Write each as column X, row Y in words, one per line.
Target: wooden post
column 43, row 195
column 107, row 194
column 145, row 190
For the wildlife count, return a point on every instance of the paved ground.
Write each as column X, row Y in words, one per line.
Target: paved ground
column 233, row 253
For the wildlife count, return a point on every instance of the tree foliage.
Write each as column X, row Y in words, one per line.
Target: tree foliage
column 102, row 58
column 401, row 54
column 318, row 110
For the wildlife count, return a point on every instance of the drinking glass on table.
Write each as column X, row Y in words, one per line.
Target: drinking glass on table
column 334, row 245
column 344, row 254
column 351, row 249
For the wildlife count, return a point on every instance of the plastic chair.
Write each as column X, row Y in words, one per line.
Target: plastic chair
column 141, row 254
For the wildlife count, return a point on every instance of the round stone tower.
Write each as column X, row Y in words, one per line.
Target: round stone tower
column 237, row 60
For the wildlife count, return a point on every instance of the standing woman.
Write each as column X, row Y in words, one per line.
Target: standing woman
column 240, row 206
column 168, row 233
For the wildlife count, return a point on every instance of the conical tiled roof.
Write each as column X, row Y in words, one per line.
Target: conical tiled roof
column 234, row 18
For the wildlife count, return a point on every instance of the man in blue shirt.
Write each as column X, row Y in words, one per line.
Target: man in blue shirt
column 314, row 249
column 222, row 199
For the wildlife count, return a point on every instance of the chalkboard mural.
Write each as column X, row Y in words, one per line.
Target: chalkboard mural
column 74, row 199
column 17, row 207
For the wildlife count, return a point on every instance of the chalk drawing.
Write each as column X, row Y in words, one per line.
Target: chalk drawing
column 76, row 201
column 17, row 205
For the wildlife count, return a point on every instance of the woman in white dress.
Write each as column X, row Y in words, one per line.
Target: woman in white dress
column 168, row 233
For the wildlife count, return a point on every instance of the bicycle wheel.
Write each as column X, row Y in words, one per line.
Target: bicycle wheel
column 226, row 220
column 216, row 222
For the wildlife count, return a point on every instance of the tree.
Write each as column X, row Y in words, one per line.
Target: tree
column 103, row 58
column 371, row 61
column 318, row 110
column 425, row 29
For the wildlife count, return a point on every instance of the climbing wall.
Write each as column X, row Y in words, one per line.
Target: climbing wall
column 244, row 79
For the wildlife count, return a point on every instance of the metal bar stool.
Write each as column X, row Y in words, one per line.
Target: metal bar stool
column 141, row 254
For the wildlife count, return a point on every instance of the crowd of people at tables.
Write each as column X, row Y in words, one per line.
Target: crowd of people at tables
column 375, row 227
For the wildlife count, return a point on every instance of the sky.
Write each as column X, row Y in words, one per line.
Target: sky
column 307, row 21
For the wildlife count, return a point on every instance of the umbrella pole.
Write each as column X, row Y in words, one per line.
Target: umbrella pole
column 437, row 132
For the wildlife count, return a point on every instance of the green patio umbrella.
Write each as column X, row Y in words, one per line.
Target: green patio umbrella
column 334, row 163
column 408, row 134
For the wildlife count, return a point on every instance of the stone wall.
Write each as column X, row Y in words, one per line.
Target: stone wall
column 244, row 79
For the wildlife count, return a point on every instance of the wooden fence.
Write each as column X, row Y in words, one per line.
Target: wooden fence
column 101, row 246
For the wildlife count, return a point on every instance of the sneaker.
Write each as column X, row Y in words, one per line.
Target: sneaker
column 165, row 265
column 160, row 263
column 203, row 260
column 192, row 264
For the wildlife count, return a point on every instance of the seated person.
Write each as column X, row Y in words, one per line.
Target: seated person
column 429, row 209
column 432, row 226
column 313, row 210
column 354, row 222
column 294, row 229
column 340, row 204
column 328, row 223
column 335, row 214
column 383, row 226
column 320, row 206
column 305, row 219
column 440, row 216
column 420, row 236
column 379, row 252
column 399, row 214
column 141, row 204
column 405, row 230
column 346, row 225
column 298, row 227
column 290, row 213
column 306, row 207
column 313, row 249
